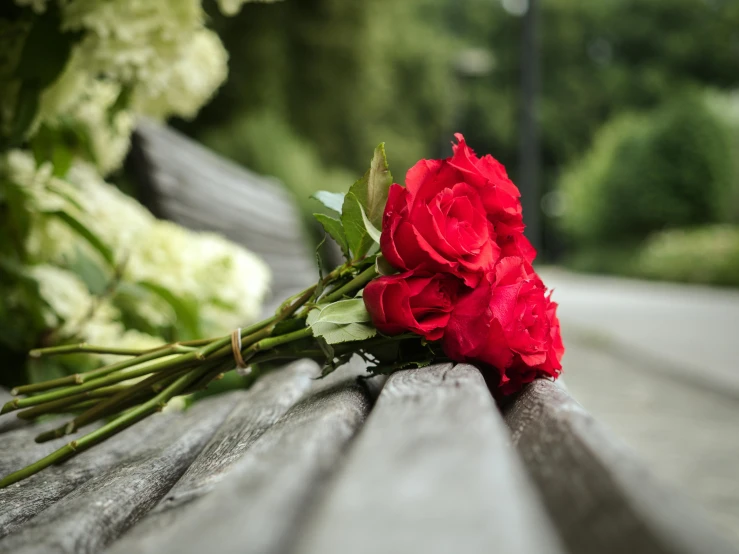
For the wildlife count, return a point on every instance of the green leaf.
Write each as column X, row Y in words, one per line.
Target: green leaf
column 343, row 321
column 46, row 50
column 186, row 310
column 122, row 102
column 332, row 200
column 89, row 270
column 82, row 230
column 334, row 333
column 371, row 229
column 319, row 262
column 25, row 112
column 378, row 185
column 366, row 200
column 357, row 236
column 343, row 311
column 334, row 228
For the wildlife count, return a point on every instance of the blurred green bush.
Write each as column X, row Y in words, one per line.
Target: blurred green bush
column 671, row 167
column 657, row 195
column 708, row 255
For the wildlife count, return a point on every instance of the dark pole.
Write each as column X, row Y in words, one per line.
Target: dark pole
column 529, row 156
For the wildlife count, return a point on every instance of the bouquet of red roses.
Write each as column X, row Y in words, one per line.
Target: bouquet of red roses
column 448, row 277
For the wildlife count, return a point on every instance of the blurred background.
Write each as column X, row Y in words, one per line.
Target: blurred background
column 618, row 119
column 631, row 167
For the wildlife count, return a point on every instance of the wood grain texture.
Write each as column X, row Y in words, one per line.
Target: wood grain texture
column 186, row 183
column 599, row 497
column 22, row 501
column 432, row 471
column 92, row 515
column 259, row 409
column 257, row 507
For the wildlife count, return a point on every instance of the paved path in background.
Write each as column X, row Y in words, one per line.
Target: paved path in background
column 657, row 364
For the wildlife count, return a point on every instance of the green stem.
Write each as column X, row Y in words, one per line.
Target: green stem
column 352, row 286
column 287, row 303
column 83, row 347
column 179, row 362
column 79, row 378
column 268, row 343
column 111, row 405
column 104, row 432
column 53, row 406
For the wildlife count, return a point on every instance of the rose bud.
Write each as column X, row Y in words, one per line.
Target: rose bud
column 413, row 303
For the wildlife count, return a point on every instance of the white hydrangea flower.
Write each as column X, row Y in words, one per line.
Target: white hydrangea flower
column 103, row 328
column 115, row 217
column 189, row 82
column 173, row 65
column 232, row 7
column 109, row 136
column 66, row 295
column 228, row 282
column 65, row 92
column 79, row 316
column 36, row 181
column 133, row 39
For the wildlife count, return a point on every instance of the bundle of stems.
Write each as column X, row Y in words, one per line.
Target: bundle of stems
column 128, row 391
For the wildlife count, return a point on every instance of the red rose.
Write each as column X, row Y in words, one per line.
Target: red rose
column 488, row 175
column 454, row 216
column 508, row 322
column 500, row 197
column 411, row 303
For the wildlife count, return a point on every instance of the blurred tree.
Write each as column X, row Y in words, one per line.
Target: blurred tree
column 598, row 58
column 345, row 76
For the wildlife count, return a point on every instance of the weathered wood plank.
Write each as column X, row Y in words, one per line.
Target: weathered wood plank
column 24, row 500
column 98, row 511
column 257, row 507
column 260, row 408
column 432, row 471
column 599, row 497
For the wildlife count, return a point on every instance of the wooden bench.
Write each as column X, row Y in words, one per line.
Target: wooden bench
column 423, row 461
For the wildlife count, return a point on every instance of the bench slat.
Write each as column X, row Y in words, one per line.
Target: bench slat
column 24, row 500
column 85, row 520
column 432, row 472
column 259, row 409
column 600, row 498
column 257, row 507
